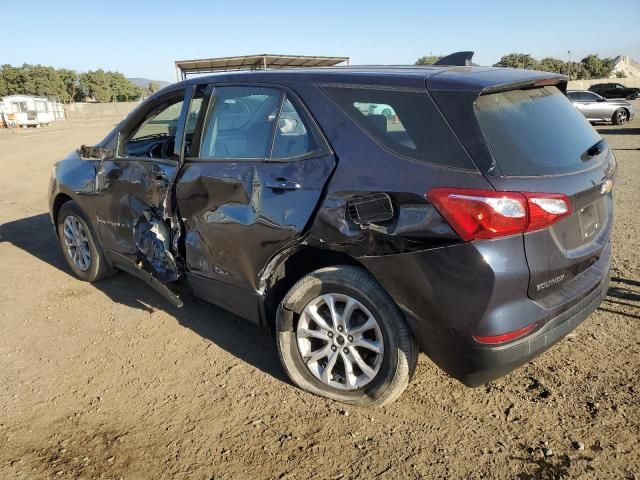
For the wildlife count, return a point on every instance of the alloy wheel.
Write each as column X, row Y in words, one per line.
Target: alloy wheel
column 340, row 341
column 622, row 116
column 77, row 243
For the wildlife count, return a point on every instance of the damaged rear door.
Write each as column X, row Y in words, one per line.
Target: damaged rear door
column 249, row 191
column 133, row 204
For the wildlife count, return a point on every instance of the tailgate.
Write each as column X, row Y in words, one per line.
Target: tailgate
column 540, row 143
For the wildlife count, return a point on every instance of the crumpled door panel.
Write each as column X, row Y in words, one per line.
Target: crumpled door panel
column 239, row 214
column 132, row 206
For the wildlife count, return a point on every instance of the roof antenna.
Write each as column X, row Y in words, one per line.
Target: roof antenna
column 458, row 59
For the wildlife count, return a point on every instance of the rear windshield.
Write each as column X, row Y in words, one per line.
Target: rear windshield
column 406, row 122
column 535, row 132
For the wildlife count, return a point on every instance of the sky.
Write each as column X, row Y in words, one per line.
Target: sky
column 143, row 39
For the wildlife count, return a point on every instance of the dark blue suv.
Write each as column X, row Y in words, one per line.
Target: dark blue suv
column 362, row 214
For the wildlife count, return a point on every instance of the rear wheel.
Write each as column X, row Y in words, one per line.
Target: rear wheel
column 341, row 336
column 78, row 241
column 620, row 116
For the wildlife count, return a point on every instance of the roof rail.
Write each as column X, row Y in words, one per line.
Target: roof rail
column 458, row 59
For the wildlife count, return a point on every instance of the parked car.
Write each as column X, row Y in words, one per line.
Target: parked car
column 614, row 90
column 475, row 230
column 598, row 109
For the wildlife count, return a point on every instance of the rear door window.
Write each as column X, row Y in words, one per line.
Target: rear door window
column 240, row 123
column 534, row 132
column 294, row 136
column 406, row 122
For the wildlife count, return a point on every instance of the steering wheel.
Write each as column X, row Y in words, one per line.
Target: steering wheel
column 166, row 151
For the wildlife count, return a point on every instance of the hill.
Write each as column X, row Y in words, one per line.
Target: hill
column 627, row 65
column 144, row 82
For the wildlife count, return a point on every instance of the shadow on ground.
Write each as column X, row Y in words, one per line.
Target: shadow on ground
column 618, row 131
column 242, row 339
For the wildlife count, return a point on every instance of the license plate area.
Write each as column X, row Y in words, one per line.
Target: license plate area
column 589, row 223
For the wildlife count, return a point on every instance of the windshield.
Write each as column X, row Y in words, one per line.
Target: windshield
column 535, row 132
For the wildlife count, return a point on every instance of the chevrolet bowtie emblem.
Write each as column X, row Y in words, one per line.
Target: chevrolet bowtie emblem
column 606, row 187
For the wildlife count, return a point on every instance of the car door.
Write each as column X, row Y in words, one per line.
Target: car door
column 251, row 187
column 589, row 106
column 598, row 106
column 132, row 186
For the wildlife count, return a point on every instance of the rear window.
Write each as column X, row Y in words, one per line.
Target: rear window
column 534, row 132
column 406, row 122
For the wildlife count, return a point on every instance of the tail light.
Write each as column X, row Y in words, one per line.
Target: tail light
column 505, row 337
column 486, row 214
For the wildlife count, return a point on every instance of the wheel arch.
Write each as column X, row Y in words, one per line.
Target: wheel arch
column 289, row 267
column 59, row 200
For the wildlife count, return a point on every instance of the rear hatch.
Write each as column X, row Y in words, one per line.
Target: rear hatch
column 540, row 143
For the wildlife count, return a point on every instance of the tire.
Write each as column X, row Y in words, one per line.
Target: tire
column 619, row 117
column 97, row 267
column 393, row 367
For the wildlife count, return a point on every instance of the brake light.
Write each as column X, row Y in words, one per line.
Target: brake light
column 486, row 214
column 505, row 337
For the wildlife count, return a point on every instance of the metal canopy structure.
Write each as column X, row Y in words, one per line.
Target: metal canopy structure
column 265, row 61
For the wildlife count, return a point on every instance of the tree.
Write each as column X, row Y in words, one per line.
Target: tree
column 96, row 85
column 620, row 74
column 66, row 84
column 518, row 60
column 550, row 64
column 121, row 88
column 428, row 60
column 14, row 80
column 71, row 84
column 153, row 87
column 598, row 67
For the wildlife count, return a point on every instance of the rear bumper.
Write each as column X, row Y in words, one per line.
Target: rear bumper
column 450, row 294
column 478, row 365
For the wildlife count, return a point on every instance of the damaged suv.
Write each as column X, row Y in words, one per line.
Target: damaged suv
column 470, row 221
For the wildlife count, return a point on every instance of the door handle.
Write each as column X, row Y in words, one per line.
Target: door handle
column 160, row 180
column 283, row 184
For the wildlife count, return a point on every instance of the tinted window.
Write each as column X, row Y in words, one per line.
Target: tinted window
column 406, row 122
column 293, row 134
column 534, row 132
column 240, row 123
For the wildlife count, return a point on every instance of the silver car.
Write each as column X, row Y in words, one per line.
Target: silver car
column 598, row 109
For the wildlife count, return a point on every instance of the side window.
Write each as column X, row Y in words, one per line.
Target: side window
column 293, row 135
column 406, row 122
column 155, row 136
column 589, row 97
column 240, row 123
column 192, row 122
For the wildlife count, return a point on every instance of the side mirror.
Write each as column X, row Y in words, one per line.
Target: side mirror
column 601, row 99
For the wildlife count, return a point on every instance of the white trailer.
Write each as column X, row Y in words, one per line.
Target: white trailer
column 27, row 110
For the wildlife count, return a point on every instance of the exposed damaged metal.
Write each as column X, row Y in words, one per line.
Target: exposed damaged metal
column 153, row 240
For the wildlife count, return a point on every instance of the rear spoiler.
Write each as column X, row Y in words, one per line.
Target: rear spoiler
column 558, row 81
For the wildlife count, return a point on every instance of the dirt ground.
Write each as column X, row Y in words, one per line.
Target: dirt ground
column 110, row 381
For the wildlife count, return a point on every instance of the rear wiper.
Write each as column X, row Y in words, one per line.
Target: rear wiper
column 596, row 149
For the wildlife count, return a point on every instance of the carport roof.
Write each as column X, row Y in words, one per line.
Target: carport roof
column 252, row 62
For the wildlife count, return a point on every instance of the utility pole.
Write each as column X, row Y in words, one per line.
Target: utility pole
column 569, row 52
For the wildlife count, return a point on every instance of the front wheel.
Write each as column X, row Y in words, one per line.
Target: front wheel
column 78, row 241
column 341, row 336
column 620, row 116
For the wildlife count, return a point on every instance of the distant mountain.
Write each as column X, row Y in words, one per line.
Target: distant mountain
column 144, row 82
